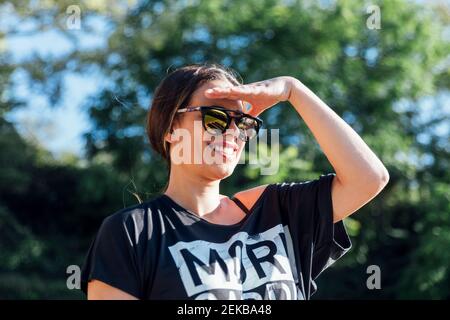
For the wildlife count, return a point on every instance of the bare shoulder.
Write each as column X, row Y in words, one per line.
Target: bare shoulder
column 98, row 290
column 250, row 196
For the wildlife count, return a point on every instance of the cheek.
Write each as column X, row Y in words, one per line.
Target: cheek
column 183, row 145
column 241, row 145
column 193, row 131
column 240, row 150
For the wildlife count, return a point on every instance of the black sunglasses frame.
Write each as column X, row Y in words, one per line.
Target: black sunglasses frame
column 228, row 112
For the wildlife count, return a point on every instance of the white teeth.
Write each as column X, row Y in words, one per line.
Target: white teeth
column 226, row 150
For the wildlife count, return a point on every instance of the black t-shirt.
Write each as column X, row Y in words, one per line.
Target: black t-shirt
column 159, row 250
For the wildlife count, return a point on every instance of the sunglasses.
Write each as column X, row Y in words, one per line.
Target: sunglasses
column 216, row 120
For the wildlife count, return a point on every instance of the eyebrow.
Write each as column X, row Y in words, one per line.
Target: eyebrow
column 237, row 109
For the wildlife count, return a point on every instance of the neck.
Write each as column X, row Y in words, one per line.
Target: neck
column 193, row 192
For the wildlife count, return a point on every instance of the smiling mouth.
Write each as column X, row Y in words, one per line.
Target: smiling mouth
column 227, row 149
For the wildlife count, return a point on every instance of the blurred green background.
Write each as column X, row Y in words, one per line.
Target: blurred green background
column 391, row 84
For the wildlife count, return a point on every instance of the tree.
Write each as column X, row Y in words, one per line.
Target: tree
column 376, row 79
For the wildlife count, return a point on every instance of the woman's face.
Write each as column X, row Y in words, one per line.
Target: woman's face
column 211, row 157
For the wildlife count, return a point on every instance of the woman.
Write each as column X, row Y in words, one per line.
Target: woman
column 268, row 242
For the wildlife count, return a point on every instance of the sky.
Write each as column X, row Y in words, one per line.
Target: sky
column 60, row 128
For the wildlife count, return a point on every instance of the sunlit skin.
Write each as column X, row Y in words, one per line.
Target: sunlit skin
column 204, row 174
column 360, row 175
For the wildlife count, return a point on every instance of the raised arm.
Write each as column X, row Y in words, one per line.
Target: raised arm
column 360, row 175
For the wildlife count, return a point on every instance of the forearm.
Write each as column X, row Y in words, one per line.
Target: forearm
column 353, row 161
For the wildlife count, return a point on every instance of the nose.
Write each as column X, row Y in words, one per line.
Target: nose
column 233, row 130
column 233, row 124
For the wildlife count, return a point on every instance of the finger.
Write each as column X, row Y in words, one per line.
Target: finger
column 228, row 93
column 248, row 90
column 215, row 92
column 232, row 92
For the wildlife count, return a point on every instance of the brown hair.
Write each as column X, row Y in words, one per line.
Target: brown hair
column 175, row 92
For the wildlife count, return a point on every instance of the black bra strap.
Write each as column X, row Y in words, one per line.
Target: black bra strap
column 240, row 205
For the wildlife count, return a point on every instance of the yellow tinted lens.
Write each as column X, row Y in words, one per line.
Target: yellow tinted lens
column 248, row 125
column 215, row 121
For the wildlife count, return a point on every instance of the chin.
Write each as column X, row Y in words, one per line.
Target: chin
column 221, row 171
